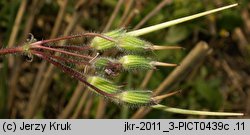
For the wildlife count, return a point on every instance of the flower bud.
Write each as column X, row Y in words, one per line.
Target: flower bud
column 136, row 97
column 103, row 84
column 130, row 62
column 103, row 44
column 108, row 66
column 101, row 63
column 131, row 44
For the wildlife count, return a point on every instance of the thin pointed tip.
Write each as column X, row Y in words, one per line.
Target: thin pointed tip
column 157, row 98
column 235, row 4
column 160, row 26
column 156, row 63
column 163, row 47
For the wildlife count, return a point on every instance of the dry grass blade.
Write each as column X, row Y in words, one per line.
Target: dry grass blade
column 17, row 23
column 11, row 42
column 152, row 13
column 34, row 104
column 54, row 33
column 114, row 14
column 35, row 8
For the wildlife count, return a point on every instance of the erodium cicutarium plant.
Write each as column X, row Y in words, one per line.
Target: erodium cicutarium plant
column 129, row 53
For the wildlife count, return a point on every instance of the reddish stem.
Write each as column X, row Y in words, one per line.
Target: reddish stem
column 75, row 36
column 60, row 51
column 71, row 47
column 77, row 75
column 60, row 58
column 11, row 50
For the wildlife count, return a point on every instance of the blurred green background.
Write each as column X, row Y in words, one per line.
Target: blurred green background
column 219, row 82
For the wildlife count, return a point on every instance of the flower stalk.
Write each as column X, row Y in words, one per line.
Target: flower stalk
column 75, row 74
column 11, row 50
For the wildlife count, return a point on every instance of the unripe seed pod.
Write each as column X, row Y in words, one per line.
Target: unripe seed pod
column 103, row 84
column 136, row 97
column 101, row 63
column 130, row 62
column 108, row 66
column 131, row 44
column 104, row 44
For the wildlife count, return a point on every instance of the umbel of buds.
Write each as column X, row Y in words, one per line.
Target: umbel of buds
column 131, row 48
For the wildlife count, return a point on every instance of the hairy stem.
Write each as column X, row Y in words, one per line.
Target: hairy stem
column 11, row 50
column 60, row 58
column 77, row 75
column 60, row 51
column 74, row 36
column 71, row 47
